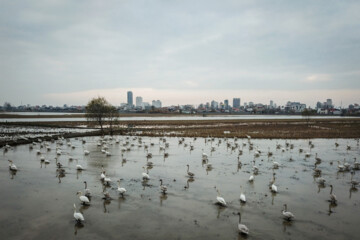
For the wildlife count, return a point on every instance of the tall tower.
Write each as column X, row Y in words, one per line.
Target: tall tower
column 139, row 101
column 236, row 102
column 130, row 98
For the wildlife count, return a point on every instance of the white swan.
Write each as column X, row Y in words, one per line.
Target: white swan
column 220, row 200
column 79, row 167
column 243, row 229
column 163, row 188
column 145, row 176
column 333, row 198
column 242, row 197
column 121, row 190
column 251, row 178
column 287, row 215
column 78, row 216
column 84, row 200
column 12, row 166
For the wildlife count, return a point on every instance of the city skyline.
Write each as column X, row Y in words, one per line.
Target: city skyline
column 54, row 52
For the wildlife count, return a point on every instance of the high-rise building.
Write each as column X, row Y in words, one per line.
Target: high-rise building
column 236, row 102
column 139, row 101
column 156, row 104
column 329, row 103
column 271, row 104
column 226, row 104
column 130, row 99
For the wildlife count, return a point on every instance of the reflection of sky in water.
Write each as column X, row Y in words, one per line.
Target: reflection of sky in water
column 34, row 204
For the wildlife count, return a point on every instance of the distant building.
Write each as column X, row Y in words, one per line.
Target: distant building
column 236, row 102
column 130, row 99
column 271, row 104
column 214, row 104
column 139, row 101
column 156, row 103
column 226, row 104
column 295, row 107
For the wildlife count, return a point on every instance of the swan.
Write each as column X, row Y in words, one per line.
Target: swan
column 255, row 168
column 242, row 228
column 271, row 182
column 77, row 215
column 316, row 170
column 84, row 200
column 107, row 180
column 275, row 165
column 79, row 167
column 190, row 174
column 12, row 166
column 86, row 152
column 162, row 187
column 145, row 176
column 242, row 197
column 102, row 175
column 251, row 178
column 332, row 196
column 318, row 160
column 220, row 200
column 121, row 190
column 346, row 165
column 274, row 188
column 341, row 167
column 287, row 215
column 320, row 180
column 356, row 164
column 87, row 191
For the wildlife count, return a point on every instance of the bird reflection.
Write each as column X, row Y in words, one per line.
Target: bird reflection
column 105, row 203
column 351, row 191
column 83, row 208
column 286, row 224
column 78, row 226
column 12, row 174
column 189, row 181
column 331, row 206
column 219, row 210
column 163, row 197
column 120, row 201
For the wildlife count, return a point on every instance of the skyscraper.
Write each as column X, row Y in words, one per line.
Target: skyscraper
column 130, row 98
column 139, row 101
column 226, row 104
column 236, row 102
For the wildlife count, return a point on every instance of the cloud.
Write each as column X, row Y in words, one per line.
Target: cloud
column 318, row 78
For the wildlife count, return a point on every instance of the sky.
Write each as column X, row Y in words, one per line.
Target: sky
column 179, row 51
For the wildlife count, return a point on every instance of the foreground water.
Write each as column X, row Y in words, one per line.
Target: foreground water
column 37, row 203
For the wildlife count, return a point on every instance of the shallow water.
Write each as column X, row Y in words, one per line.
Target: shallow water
column 36, row 204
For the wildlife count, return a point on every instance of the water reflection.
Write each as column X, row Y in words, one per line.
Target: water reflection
column 12, row 174
column 77, row 226
column 163, row 197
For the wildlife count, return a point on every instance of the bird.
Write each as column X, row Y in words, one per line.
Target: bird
column 78, row 216
column 341, row 167
column 274, row 188
column 320, row 180
column 12, row 166
column 251, row 178
column 107, row 180
column 287, row 215
column 163, row 188
column 318, row 160
column 121, row 190
column 271, row 182
column 243, row 229
column 145, row 176
column 220, row 200
column 84, row 200
column 242, row 197
column 86, row 152
column 102, row 175
column 79, row 167
column 190, row 174
column 87, row 191
column 333, row 199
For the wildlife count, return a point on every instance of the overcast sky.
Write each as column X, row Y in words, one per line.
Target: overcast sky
column 180, row 52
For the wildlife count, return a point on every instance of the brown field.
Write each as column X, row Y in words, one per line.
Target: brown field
column 282, row 129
